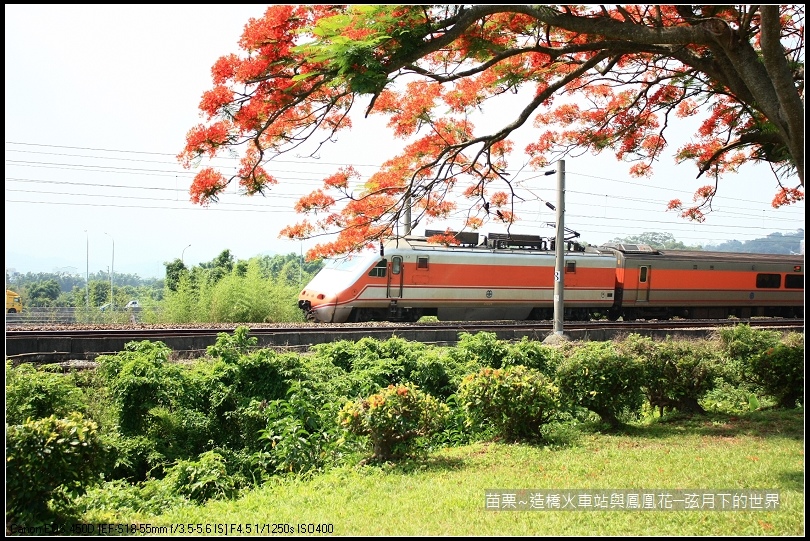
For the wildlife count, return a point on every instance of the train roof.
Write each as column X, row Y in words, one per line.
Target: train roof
column 473, row 241
column 635, row 251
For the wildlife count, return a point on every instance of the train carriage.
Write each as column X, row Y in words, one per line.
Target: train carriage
column 701, row 284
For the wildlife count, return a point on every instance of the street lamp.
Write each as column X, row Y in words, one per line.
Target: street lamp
column 183, row 254
column 112, row 271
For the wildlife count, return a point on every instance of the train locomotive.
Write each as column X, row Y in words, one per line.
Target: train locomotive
column 511, row 277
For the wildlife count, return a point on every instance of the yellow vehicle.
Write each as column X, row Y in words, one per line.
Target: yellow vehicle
column 13, row 302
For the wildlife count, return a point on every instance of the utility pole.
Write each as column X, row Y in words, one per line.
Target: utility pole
column 559, row 256
column 408, row 215
column 112, row 271
column 87, row 270
column 559, row 251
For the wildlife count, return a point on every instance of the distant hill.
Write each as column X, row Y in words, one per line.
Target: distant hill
column 775, row 243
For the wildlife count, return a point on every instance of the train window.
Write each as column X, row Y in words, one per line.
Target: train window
column 396, row 265
column 642, row 274
column 421, row 262
column 379, row 269
column 769, row 281
column 570, row 266
column 794, row 281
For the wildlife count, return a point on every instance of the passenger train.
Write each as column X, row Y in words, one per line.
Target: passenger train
column 511, row 277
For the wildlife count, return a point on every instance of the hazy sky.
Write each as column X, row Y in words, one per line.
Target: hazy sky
column 98, row 102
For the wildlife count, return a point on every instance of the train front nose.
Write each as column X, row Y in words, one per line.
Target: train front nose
column 317, row 306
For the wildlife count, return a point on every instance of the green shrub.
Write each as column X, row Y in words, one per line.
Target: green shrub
column 769, row 362
column 598, row 377
column 109, row 500
column 235, row 389
column 231, row 347
column 266, row 375
column 210, row 389
column 373, row 364
column 456, row 430
column 741, row 342
column 480, row 350
column 393, row 419
column 780, row 372
column 676, row 373
column 141, row 378
column 534, row 354
column 242, row 294
column 36, row 394
column 431, row 374
column 516, row 401
column 178, row 432
column 135, row 457
column 49, row 461
column 204, row 479
column 248, row 468
column 252, row 297
column 341, row 353
column 389, row 361
column 730, row 398
column 301, row 434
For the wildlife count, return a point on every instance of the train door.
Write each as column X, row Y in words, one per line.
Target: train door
column 395, row 278
column 643, row 291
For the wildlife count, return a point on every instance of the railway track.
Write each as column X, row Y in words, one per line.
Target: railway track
column 58, row 344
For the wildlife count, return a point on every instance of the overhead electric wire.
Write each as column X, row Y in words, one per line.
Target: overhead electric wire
column 609, row 202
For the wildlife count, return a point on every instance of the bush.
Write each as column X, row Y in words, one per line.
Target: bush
column 388, row 362
column 780, row 371
column 480, row 350
column 456, row 431
column 178, row 432
column 430, row 374
column 203, row 479
column 372, row 364
column 765, row 360
column 231, row 347
column 141, row 378
column 341, row 353
column 729, row 398
column 533, row 354
column 393, row 419
column 301, row 434
column 676, row 373
column 265, row 375
column 245, row 294
column 601, row 379
column 107, row 501
column 741, row 342
column 516, row 401
column 136, row 457
column 50, row 460
column 36, row 394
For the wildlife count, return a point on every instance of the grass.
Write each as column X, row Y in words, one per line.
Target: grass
column 444, row 495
